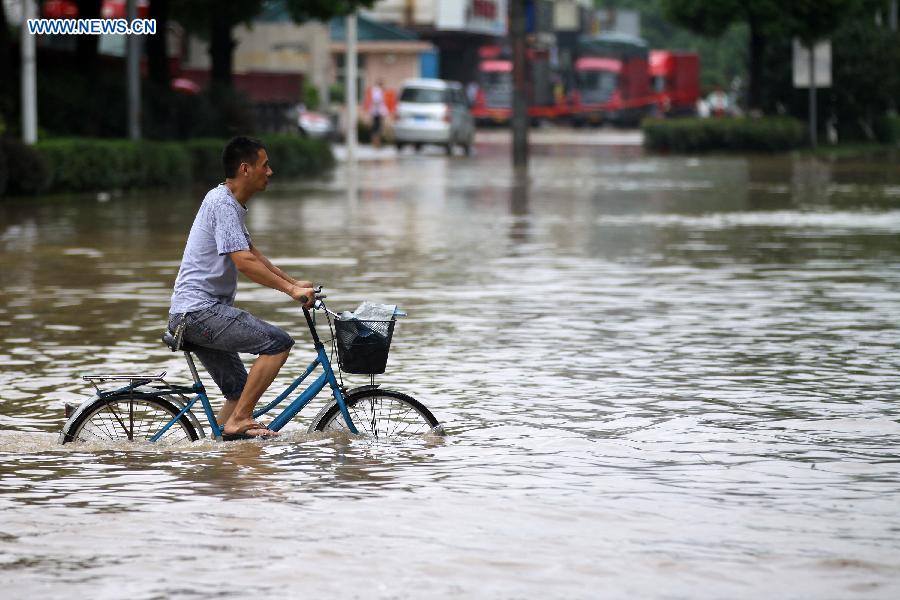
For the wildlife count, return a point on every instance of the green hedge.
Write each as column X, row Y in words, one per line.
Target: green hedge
column 3, row 170
column 83, row 164
column 27, row 173
column 887, row 130
column 769, row 134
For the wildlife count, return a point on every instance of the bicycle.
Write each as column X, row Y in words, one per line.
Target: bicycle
column 148, row 408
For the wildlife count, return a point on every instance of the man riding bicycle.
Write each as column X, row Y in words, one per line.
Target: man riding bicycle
column 219, row 246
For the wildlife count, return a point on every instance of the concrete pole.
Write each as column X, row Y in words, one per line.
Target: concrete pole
column 29, row 77
column 350, row 87
column 813, row 138
column 133, row 45
column 321, row 58
column 519, row 119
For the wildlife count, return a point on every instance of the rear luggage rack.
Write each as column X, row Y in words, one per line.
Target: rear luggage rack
column 131, row 378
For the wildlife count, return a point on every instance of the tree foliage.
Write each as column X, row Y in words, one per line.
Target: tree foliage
column 865, row 54
column 323, row 10
column 808, row 20
column 215, row 19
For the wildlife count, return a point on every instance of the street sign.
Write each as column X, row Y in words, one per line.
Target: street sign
column 822, row 55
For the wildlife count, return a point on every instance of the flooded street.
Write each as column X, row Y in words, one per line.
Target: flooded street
column 668, row 377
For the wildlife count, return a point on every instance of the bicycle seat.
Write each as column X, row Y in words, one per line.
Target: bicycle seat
column 176, row 344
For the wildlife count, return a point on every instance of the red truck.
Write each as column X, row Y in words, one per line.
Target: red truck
column 613, row 78
column 675, row 80
column 611, row 82
column 493, row 101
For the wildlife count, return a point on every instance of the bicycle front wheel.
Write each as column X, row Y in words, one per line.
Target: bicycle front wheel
column 379, row 414
column 128, row 417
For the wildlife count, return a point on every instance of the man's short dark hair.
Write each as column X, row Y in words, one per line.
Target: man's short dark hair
column 240, row 150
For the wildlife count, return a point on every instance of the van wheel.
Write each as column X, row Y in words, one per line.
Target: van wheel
column 417, row 146
column 399, row 146
column 448, row 148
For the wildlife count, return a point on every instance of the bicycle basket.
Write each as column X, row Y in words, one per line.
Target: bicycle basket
column 363, row 345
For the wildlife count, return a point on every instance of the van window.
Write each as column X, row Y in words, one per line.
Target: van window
column 424, row 95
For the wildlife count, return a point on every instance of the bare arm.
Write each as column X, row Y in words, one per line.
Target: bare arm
column 265, row 261
column 256, row 270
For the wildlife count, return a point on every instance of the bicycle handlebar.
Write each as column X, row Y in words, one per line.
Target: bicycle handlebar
column 319, row 296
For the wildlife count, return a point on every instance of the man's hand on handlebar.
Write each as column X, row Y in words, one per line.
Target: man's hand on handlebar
column 304, row 295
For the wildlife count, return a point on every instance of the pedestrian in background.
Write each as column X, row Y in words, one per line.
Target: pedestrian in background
column 377, row 111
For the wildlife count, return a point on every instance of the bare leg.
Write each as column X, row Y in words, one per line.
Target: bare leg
column 226, row 410
column 261, row 376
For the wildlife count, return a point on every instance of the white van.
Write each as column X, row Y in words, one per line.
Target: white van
column 434, row 111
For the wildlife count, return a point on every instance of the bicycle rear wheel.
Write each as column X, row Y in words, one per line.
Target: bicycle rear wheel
column 128, row 417
column 379, row 414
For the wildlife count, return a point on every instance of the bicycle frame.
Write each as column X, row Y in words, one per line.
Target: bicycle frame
column 326, row 378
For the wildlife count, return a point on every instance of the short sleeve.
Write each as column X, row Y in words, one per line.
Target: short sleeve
column 230, row 232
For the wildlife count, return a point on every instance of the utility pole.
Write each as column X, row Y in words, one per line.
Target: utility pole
column 892, row 16
column 29, row 77
column 813, row 137
column 350, row 87
column 133, row 59
column 519, row 120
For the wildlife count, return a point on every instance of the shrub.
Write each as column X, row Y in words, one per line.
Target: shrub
column 311, row 96
column 290, row 156
column 2, row 170
column 770, row 134
column 27, row 171
column 887, row 130
column 78, row 165
column 293, row 156
column 82, row 164
column 206, row 160
column 164, row 164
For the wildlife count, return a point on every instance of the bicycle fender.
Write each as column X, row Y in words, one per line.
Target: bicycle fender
column 361, row 388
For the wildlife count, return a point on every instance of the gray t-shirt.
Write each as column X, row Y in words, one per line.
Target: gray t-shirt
column 207, row 275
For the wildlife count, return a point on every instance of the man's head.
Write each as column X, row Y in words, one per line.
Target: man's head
column 246, row 164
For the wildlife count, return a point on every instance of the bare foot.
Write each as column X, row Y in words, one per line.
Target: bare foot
column 246, row 429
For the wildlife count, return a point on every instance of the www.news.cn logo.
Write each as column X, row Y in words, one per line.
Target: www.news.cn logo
column 91, row 27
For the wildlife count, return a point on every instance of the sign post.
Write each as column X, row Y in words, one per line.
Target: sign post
column 133, row 61
column 519, row 120
column 29, row 77
column 350, row 87
column 812, row 69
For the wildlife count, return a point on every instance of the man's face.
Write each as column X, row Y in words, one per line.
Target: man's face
column 258, row 173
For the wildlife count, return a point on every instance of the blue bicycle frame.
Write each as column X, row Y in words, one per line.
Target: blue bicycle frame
column 326, row 378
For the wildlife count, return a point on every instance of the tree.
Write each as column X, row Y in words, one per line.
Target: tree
column 7, row 71
column 86, row 45
column 722, row 58
column 714, row 18
column 157, row 57
column 866, row 76
column 215, row 20
column 302, row 11
column 809, row 20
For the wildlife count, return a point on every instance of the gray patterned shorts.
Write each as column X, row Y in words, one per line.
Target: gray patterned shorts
column 219, row 332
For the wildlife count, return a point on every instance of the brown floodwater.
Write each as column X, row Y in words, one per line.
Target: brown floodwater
column 669, row 377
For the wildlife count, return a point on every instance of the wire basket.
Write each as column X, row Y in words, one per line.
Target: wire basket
column 363, row 346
